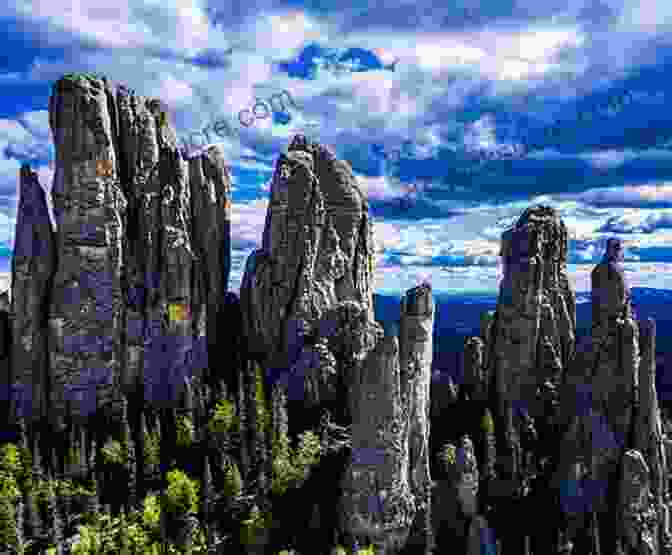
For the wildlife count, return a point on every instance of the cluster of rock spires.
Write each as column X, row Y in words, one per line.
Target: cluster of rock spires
column 127, row 302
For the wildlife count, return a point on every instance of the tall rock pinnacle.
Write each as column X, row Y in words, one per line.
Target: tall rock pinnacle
column 133, row 272
column 532, row 338
column 316, row 251
column 86, row 314
column 33, row 266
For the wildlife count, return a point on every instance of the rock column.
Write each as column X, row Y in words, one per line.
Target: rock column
column 86, row 308
column 416, row 327
column 33, row 266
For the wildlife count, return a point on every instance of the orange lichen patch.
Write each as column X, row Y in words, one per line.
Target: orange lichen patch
column 104, row 168
column 178, row 312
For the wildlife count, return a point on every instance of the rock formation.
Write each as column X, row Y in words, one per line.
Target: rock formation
column 130, row 277
column 33, row 265
column 128, row 299
column 307, row 307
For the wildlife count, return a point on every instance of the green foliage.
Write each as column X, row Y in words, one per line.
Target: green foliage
column 151, row 514
column 447, row 456
column 260, row 398
column 291, row 466
column 10, row 459
column 309, row 450
column 185, row 431
column 152, row 449
column 9, row 494
column 233, row 483
column 370, row 550
column 224, row 418
column 73, row 455
column 339, row 550
column 139, row 531
column 182, row 494
column 113, row 452
column 487, row 423
column 7, row 523
column 255, row 523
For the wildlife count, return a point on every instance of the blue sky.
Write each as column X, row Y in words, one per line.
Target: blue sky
column 453, row 118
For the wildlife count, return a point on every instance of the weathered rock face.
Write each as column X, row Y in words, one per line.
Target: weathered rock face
column 377, row 500
column 615, row 361
column 158, row 255
column 130, row 297
column 532, row 336
column 649, row 437
column 317, row 251
column 33, row 266
column 636, row 502
column 475, row 381
column 391, row 442
column 307, row 306
column 85, row 316
column 417, row 324
column 536, row 325
column 210, row 186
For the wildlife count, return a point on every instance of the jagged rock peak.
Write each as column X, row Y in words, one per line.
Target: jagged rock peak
column 552, row 232
column 317, row 248
column 33, row 265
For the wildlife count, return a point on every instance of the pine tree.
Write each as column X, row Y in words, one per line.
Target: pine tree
column 20, row 507
column 243, row 422
column 57, row 524
column 261, row 428
column 207, row 499
column 488, row 429
column 140, row 453
column 94, row 476
column 124, row 540
column 131, row 462
column 33, row 509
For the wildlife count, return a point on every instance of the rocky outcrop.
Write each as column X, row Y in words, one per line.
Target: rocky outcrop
column 33, row 266
column 135, row 275
column 417, row 325
column 530, row 342
column 316, row 252
column 306, row 300
column 210, row 232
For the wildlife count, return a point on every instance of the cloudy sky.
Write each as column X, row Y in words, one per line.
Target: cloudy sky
column 454, row 119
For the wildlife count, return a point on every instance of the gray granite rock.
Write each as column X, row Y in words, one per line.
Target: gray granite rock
column 316, row 252
column 33, row 266
column 86, row 305
column 638, row 514
column 532, row 337
column 210, row 186
column 649, row 432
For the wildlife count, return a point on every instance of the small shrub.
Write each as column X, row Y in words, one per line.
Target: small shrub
column 292, row 466
column 185, row 431
column 487, row 423
column 262, row 412
column 223, row 418
column 113, row 453
column 250, row 527
column 182, row 494
column 152, row 449
column 151, row 513
column 233, row 483
column 10, row 459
